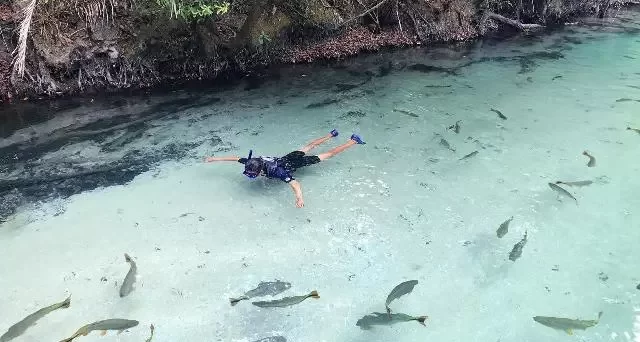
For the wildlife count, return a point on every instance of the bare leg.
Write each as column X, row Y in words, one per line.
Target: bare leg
column 315, row 143
column 336, row 150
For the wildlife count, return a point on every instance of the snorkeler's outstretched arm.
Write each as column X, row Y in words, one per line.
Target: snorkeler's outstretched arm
column 214, row 159
column 297, row 191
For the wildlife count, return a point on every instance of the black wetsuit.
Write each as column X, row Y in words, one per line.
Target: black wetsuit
column 283, row 167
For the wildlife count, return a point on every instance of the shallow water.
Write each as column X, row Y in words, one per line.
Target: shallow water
column 401, row 207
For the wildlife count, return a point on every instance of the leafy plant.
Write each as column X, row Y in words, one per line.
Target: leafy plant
column 194, row 10
column 263, row 39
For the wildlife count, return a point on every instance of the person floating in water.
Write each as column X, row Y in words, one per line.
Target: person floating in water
column 283, row 167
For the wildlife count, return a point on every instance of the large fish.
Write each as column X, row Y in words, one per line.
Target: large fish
column 286, row 301
column 561, row 191
column 399, row 291
column 130, row 278
column 22, row 326
column 633, row 129
column 379, row 318
column 406, row 112
column 516, row 252
column 576, row 183
column 504, row 228
column 500, row 115
column 270, row 288
column 567, row 324
column 107, row 324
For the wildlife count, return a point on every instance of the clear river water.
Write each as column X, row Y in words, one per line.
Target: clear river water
column 84, row 181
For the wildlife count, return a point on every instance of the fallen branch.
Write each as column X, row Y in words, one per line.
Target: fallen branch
column 520, row 26
column 364, row 13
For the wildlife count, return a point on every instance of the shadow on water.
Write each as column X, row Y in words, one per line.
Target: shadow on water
column 490, row 265
column 34, row 179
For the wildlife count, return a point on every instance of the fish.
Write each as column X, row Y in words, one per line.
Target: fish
column 406, row 112
column 286, row 301
column 430, row 68
column 400, row 290
column 446, row 145
column 592, row 159
column 576, row 183
column 130, row 278
column 107, row 324
column 500, row 115
column 556, row 77
column 270, row 288
column 455, row 127
column 626, row 99
column 22, row 326
column 567, row 324
column 516, row 252
column 346, row 86
column 504, row 228
column 638, row 287
column 634, row 129
column 562, row 191
column 272, row 339
column 152, row 328
column 469, row 155
column 325, row 102
column 379, row 318
column 633, row 86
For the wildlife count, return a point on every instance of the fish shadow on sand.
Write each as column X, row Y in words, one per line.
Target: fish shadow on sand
column 487, row 253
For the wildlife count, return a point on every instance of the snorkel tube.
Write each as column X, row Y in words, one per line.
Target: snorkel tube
column 250, row 174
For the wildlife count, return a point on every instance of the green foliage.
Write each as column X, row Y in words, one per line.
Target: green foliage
column 194, row 10
column 263, row 39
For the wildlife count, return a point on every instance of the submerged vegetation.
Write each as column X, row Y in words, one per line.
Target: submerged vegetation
column 61, row 47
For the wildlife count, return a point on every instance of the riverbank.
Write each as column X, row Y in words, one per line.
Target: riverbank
column 71, row 51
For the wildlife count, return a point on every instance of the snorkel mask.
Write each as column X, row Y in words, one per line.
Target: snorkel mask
column 250, row 174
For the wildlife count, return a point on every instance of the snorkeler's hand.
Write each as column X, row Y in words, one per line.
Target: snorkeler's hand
column 297, row 191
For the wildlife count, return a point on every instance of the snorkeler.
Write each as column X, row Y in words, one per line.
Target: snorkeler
column 283, row 167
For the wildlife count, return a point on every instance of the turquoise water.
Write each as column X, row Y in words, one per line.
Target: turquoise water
column 401, row 207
